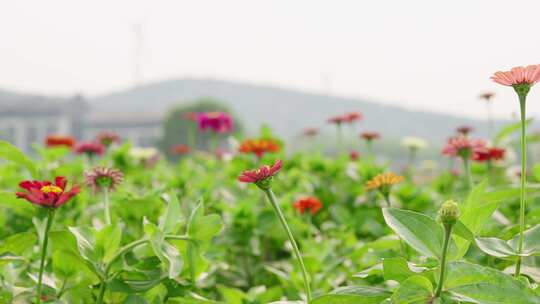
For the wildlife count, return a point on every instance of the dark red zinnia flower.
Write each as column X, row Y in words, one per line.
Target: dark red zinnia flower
column 47, row 194
column 489, row 154
column 180, row 149
column 310, row 203
column 218, row 122
column 107, row 138
column 259, row 146
column 59, row 141
column 261, row 174
column 464, row 130
column 90, row 148
column 369, row 135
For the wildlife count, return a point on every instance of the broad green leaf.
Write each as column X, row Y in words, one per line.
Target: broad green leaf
column 531, row 241
column 353, row 295
column 86, row 246
column 376, row 269
column 495, row 247
column 15, row 245
column 168, row 255
column 232, row 295
column 108, row 242
column 65, row 263
column 397, row 269
column 419, row 231
column 505, row 132
column 19, row 206
column 141, row 277
column 171, row 219
column 477, row 284
column 11, row 153
column 416, row 289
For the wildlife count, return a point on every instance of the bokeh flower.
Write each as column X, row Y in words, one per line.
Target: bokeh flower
column 414, row 143
column 259, row 146
column 147, row 157
column 310, row 203
column 107, row 138
column 489, row 154
column 219, row 122
column 384, row 181
column 191, row 116
column 180, row 149
column 337, row 120
column 310, row 132
column 354, row 155
column 352, row 117
column 46, row 193
column 100, row 178
column 262, row 176
column 464, row 130
column 370, row 135
column 54, row 140
column 462, row 146
column 90, row 148
column 486, row 96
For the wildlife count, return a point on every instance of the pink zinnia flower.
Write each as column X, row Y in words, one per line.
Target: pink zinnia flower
column 90, row 148
column 353, row 117
column 338, row 119
column 462, row 146
column 47, row 194
column 518, row 75
column 103, row 178
column 218, row 122
column 262, row 174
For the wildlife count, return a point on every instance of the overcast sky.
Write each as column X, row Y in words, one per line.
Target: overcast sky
column 423, row 55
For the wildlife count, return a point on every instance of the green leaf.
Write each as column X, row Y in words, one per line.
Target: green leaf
column 11, row 153
column 508, row 130
column 397, row 269
column 353, row 295
column 232, row 295
column 416, row 289
column 108, row 242
column 86, row 247
column 531, row 241
column 19, row 206
column 473, row 283
column 170, row 221
column 495, row 247
column 15, row 245
column 65, row 263
column 419, row 231
column 168, row 255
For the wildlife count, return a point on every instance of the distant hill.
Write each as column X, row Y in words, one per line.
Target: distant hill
column 286, row 111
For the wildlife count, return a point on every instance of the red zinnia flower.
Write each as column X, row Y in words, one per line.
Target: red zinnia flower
column 59, row 141
column 107, row 138
column 102, row 177
column 369, row 136
column 259, row 146
column 310, row 203
column 261, row 174
column 354, row 155
column 518, row 75
column 180, row 149
column 463, row 146
column 218, row 122
column 308, row 132
column 489, row 154
column 47, row 194
column 464, row 130
column 90, row 148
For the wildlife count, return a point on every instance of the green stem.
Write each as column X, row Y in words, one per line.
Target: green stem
column 468, row 173
column 191, row 136
column 522, row 99
column 102, row 289
column 448, row 233
column 339, row 139
column 106, row 205
column 50, row 217
column 273, row 201
column 386, row 196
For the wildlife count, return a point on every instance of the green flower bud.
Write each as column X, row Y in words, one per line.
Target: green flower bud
column 449, row 213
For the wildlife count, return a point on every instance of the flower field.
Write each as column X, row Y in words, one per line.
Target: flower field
column 104, row 222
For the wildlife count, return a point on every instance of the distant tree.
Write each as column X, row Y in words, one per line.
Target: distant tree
column 177, row 128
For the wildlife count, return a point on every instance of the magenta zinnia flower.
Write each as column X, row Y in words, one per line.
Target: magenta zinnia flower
column 47, row 194
column 103, row 178
column 518, row 75
column 264, row 173
column 90, row 148
column 462, row 146
column 218, row 122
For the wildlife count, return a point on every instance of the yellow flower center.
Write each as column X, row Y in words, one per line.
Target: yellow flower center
column 51, row 188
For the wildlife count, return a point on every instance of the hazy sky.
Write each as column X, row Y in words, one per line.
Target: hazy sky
column 424, row 55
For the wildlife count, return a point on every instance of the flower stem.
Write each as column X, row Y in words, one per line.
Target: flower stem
column 468, row 173
column 447, row 234
column 50, row 217
column 277, row 209
column 522, row 98
column 106, row 205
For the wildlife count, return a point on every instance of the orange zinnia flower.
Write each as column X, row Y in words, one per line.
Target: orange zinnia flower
column 259, row 146
column 384, row 181
column 310, row 203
